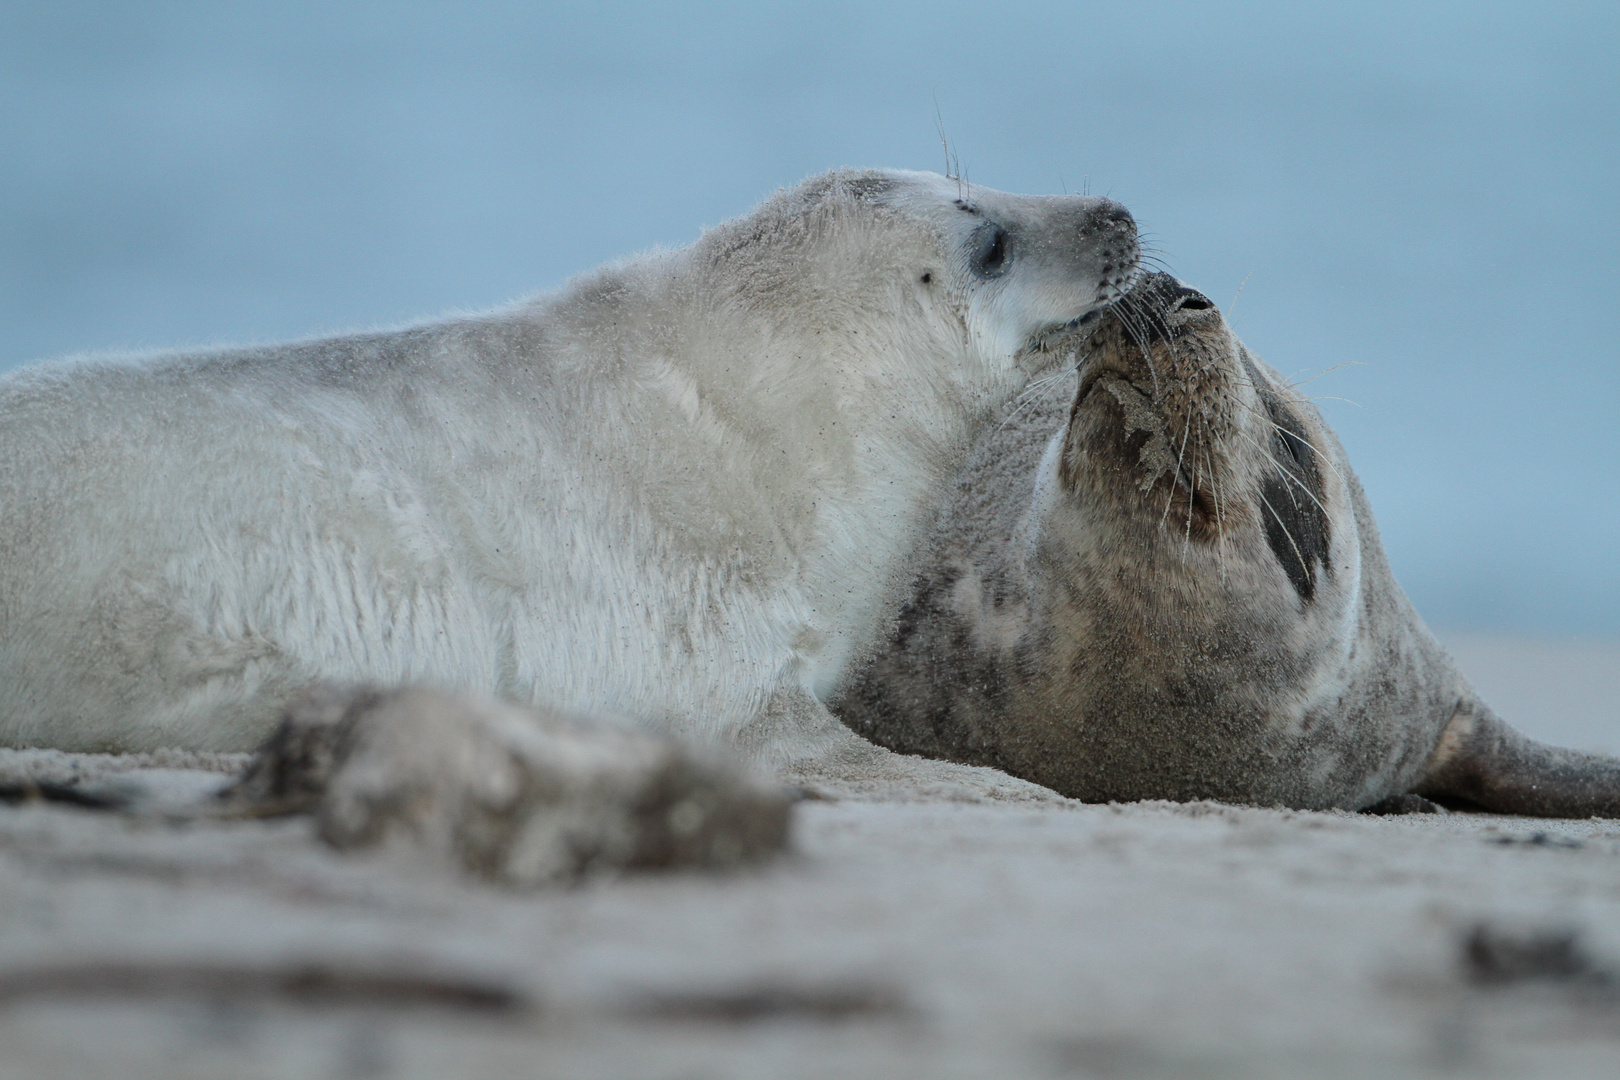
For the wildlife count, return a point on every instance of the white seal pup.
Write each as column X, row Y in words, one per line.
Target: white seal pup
column 683, row 490
column 1164, row 581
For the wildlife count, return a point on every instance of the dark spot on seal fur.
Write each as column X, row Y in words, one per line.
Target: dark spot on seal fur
column 940, row 717
column 921, row 608
column 1291, row 496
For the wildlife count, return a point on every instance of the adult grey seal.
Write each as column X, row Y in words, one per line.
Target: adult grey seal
column 1181, row 594
column 683, row 490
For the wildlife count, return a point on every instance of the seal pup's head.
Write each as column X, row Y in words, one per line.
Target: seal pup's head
column 916, row 279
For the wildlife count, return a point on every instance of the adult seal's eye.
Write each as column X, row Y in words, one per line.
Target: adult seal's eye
column 990, row 250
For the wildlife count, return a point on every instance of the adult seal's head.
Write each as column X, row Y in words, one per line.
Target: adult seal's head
column 1200, row 468
column 1165, row 582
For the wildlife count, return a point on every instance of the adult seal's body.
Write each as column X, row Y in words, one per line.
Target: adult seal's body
column 1181, row 594
column 683, row 490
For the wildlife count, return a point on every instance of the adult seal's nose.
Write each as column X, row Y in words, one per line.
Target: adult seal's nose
column 1170, row 303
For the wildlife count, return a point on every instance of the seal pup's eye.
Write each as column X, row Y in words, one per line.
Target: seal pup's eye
column 990, row 251
column 928, row 275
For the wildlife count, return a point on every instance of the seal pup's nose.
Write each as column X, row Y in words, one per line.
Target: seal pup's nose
column 1108, row 216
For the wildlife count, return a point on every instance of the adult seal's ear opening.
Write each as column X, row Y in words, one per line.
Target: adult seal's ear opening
column 1162, row 580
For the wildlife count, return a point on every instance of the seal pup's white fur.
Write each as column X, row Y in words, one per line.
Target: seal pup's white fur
column 683, row 490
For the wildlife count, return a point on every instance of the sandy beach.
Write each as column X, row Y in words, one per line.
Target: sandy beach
column 1407, row 209
column 898, row 940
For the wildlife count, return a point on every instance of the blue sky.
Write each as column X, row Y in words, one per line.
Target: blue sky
column 1424, row 192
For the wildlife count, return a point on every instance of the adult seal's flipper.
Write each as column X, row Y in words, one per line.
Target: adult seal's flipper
column 1483, row 761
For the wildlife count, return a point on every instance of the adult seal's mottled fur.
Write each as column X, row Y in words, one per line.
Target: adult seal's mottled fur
column 1181, row 594
column 683, row 490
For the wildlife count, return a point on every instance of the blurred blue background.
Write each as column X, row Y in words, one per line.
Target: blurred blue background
column 1426, row 189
